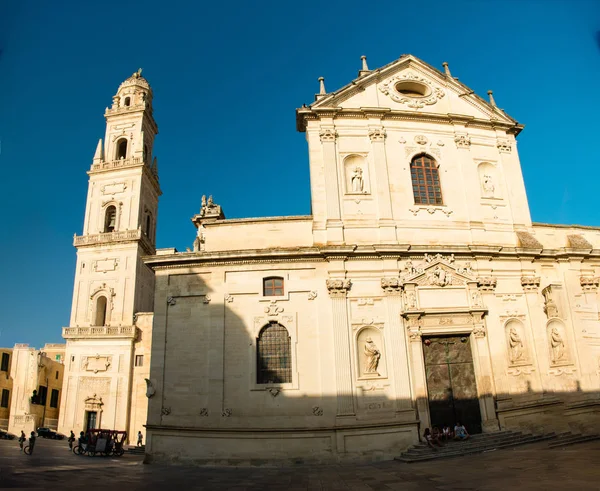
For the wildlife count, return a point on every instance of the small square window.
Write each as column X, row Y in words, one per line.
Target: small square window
column 139, row 360
column 273, row 287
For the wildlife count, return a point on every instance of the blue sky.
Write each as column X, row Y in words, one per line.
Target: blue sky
column 227, row 77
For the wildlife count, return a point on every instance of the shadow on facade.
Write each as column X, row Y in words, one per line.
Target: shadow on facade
column 234, row 383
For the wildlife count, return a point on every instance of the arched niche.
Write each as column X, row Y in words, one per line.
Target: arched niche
column 370, row 353
column 516, row 343
column 488, row 180
column 356, row 170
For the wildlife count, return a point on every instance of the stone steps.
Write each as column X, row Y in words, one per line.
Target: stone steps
column 566, row 439
column 476, row 444
column 134, row 450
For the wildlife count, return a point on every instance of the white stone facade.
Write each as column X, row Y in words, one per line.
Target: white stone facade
column 369, row 280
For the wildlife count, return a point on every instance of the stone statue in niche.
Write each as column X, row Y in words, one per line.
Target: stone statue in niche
column 373, row 356
column 516, row 346
column 488, row 186
column 557, row 344
column 358, row 183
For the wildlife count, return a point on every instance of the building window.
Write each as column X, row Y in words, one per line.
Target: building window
column 139, row 360
column 5, row 396
column 273, row 287
column 5, row 362
column 56, row 374
column 148, row 222
column 273, row 357
column 121, row 149
column 54, row 398
column 100, row 311
column 110, row 219
column 42, row 394
column 127, row 101
column 425, row 180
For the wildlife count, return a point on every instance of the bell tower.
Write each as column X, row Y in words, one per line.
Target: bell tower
column 111, row 281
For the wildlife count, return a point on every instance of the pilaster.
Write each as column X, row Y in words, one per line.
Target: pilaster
column 335, row 231
column 387, row 228
column 338, row 290
column 392, row 286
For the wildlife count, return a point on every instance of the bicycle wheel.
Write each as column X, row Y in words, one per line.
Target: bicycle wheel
column 27, row 450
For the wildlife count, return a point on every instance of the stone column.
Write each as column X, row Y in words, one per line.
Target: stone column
column 483, row 370
column 333, row 221
column 338, row 290
column 417, row 361
column 393, row 289
column 387, row 227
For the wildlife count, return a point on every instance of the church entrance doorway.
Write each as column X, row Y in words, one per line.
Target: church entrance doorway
column 90, row 420
column 451, row 386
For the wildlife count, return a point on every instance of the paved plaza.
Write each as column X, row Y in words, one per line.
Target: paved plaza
column 531, row 467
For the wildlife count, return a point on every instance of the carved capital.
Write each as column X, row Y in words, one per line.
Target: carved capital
column 589, row 283
column 486, row 283
column 377, row 134
column 338, row 287
column 392, row 286
column 415, row 335
column 530, row 283
column 479, row 332
column 504, row 145
column 462, row 140
column 328, row 135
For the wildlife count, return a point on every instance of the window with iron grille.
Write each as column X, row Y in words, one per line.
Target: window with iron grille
column 273, row 286
column 54, row 398
column 425, row 181
column 5, row 360
column 273, row 357
column 5, row 395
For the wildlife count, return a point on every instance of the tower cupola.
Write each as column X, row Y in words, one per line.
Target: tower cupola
column 133, row 93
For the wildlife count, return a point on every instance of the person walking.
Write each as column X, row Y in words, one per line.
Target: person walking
column 140, row 437
column 22, row 439
column 29, row 449
column 71, row 440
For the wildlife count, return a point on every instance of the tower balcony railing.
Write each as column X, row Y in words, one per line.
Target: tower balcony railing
column 99, row 332
column 116, row 164
column 120, row 236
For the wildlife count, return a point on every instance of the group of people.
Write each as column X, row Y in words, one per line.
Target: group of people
column 434, row 437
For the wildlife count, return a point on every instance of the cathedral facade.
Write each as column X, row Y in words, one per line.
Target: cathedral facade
column 418, row 292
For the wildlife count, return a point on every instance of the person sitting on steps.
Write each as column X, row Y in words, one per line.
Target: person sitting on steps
column 431, row 440
column 460, row 432
column 446, row 433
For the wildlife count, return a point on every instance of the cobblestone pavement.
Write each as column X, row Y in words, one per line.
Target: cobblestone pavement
column 531, row 467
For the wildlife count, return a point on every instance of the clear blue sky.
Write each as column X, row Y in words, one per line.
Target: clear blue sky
column 227, row 77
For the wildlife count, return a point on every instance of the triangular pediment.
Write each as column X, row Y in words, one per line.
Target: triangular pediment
column 439, row 273
column 410, row 84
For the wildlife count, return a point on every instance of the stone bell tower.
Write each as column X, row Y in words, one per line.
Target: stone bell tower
column 106, row 337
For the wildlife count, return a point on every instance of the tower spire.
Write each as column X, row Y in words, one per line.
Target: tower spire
column 322, row 92
column 99, row 155
column 365, row 68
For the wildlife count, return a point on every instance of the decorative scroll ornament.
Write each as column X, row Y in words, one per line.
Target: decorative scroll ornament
column 550, row 307
column 338, row 287
column 273, row 309
column 479, row 332
column 421, row 140
column 504, row 145
column 389, row 89
column 226, row 413
column 462, row 140
column 317, row 411
column 312, row 295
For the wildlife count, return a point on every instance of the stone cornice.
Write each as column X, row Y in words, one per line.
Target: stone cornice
column 131, row 163
column 350, row 253
column 105, row 332
column 304, row 115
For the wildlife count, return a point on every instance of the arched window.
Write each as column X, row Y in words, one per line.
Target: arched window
column 100, row 311
column 273, row 286
column 425, row 180
column 121, row 149
column 127, row 101
column 273, row 357
column 110, row 219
